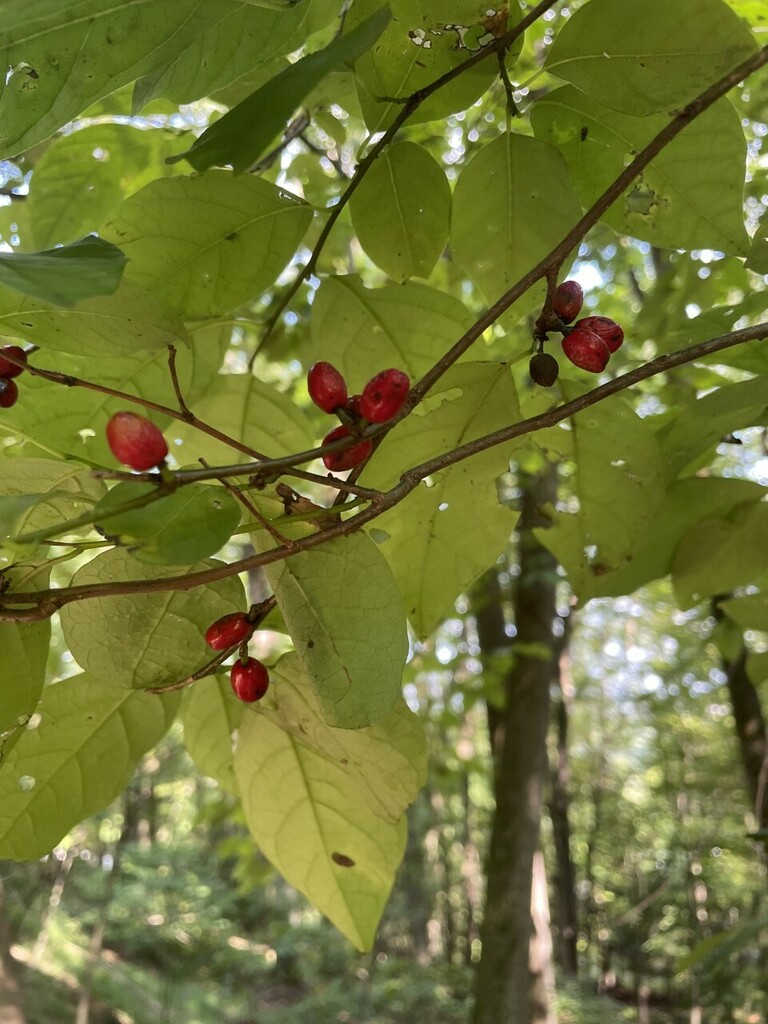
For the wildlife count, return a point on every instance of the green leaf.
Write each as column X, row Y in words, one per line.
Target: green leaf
column 619, row 487
column 61, row 491
column 245, row 38
column 130, row 320
column 180, row 529
column 649, row 56
column 65, row 275
column 757, row 667
column 735, row 553
column 685, row 503
column 422, row 42
column 361, row 329
column 142, row 640
column 750, row 612
column 757, row 261
column 24, row 649
column 241, row 136
column 512, row 204
column 248, row 410
column 75, row 760
column 73, row 420
column 445, row 534
column 66, row 54
column 83, row 176
column 346, row 619
column 325, row 805
column 690, row 196
column 401, row 211
column 208, row 243
column 701, row 423
column 210, row 714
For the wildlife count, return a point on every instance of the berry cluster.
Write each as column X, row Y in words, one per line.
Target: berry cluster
column 9, row 391
column 382, row 399
column 589, row 344
column 136, row 441
column 248, row 676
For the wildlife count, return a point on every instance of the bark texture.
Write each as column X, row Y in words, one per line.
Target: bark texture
column 506, row 991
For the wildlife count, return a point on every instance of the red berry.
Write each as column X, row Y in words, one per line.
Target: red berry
column 136, row 441
column 7, row 368
column 250, row 680
column 586, row 350
column 604, row 328
column 326, row 387
column 383, row 395
column 567, row 300
column 349, row 457
column 9, row 393
column 228, row 631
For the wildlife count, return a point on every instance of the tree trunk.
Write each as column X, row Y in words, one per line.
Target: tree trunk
column 566, row 914
column 11, row 1003
column 750, row 730
column 504, row 981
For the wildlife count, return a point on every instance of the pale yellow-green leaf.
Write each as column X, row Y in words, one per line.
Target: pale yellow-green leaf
column 618, row 487
column 147, row 639
column 325, row 805
column 208, row 243
column 512, row 204
column 401, row 211
column 720, row 554
column 647, row 56
column 74, row 760
column 345, row 616
column 444, row 535
column 362, row 330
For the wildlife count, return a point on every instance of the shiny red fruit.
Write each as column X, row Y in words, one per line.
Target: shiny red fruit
column 8, row 369
column 136, row 441
column 383, row 396
column 9, row 393
column 228, row 631
column 349, row 457
column 604, row 328
column 326, row 385
column 586, row 350
column 250, row 680
column 567, row 300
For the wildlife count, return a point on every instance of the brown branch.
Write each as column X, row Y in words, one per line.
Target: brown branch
column 614, row 191
column 46, row 602
column 185, row 415
column 184, row 409
column 410, row 104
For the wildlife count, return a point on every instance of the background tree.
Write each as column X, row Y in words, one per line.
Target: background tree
column 203, row 199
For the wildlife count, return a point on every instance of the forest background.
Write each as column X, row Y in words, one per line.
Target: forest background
column 201, row 198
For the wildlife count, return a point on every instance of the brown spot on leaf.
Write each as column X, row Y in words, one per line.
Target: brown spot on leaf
column 342, row 860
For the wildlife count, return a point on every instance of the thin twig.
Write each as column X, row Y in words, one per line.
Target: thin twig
column 188, row 417
column 410, row 104
column 250, row 507
column 45, row 603
column 184, row 409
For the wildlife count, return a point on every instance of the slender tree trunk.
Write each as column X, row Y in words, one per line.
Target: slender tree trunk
column 540, row 958
column 566, row 914
column 503, row 989
column 750, row 730
column 11, row 1003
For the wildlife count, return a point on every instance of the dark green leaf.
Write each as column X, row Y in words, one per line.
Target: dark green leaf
column 64, row 276
column 241, row 136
